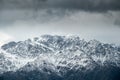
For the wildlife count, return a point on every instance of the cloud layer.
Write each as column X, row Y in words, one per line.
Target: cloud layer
column 91, row 19
column 87, row 5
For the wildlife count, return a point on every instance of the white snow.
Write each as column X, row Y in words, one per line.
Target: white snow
column 67, row 57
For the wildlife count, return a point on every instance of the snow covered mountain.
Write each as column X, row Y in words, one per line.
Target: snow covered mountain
column 57, row 55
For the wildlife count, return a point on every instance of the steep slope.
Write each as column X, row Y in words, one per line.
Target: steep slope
column 60, row 56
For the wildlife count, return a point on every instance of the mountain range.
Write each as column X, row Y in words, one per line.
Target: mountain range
column 54, row 57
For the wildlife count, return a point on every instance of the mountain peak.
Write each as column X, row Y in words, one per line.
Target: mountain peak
column 51, row 52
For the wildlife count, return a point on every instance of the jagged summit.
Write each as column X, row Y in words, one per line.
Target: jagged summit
column 58, row 54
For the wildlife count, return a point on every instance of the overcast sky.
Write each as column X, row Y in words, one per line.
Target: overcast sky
column 89, row 19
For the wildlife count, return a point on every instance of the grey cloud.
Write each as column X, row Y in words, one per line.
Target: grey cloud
column 21, row 4
column 44, row 11
column 41, row 16
column 96, row 5
column 87, row 5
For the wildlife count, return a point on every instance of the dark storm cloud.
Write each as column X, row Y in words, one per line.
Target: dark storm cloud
column 89, row 5
column 43, row 11
column 92, row 5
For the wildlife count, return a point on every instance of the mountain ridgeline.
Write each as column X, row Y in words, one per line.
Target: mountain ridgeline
column 51, row 57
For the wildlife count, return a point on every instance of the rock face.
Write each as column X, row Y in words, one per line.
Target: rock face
column 59, row 58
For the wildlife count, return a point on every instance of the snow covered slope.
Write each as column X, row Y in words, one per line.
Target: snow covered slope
column 57, row 54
